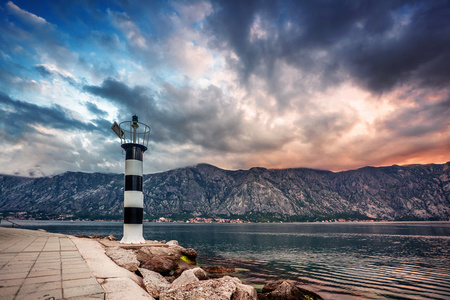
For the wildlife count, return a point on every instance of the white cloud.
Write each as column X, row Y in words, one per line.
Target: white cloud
column 26, row 16
column 189, row 59
column 134, row 35
column 191, row 13
column 258, row 30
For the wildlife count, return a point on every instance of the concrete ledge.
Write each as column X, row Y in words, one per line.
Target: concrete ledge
column 117, row 282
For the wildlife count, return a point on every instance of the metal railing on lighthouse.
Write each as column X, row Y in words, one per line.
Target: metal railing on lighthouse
column 134, row 138
column 132, row 132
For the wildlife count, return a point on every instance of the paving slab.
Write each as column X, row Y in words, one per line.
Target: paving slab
column 117, row 282
column 41, row 265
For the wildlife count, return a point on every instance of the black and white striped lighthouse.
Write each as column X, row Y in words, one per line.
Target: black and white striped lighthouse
column 134, row 138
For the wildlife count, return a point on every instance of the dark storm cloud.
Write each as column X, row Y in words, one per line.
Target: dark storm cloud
column 180, row 114
column 107, row 41
column 93, row 108
column 172, row 120
column 138, row 100
column 379, row 43
column 43, row 71
column 323, row 130
column 430, row 117
column 18, row 117
column 46, row 73
column 417, row 52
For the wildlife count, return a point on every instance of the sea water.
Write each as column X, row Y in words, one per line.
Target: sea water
column 394, row 260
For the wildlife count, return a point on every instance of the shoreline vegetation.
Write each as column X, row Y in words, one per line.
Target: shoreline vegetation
column 186, row 218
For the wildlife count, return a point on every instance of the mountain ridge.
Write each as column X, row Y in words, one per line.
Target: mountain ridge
column 416, row 192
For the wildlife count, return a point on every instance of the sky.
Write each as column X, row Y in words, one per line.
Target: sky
column 334, row 85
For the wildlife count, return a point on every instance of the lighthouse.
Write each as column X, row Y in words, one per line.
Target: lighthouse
column 134, row 140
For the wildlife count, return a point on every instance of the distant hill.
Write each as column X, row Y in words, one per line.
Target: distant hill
column 415, row 192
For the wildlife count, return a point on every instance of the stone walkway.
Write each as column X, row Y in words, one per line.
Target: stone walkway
column 40, row 265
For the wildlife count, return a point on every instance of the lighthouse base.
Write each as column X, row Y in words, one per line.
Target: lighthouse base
column 132, row 234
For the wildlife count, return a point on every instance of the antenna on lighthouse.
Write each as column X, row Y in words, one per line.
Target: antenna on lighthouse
column 135, row 126
column 134, row 140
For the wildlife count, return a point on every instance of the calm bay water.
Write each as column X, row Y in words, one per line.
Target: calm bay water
column 395, row 260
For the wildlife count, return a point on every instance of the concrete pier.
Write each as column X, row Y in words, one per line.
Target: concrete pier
column 41, row 265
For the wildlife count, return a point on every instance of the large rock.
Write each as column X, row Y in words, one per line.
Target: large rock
column 143, row 256
column 189, row 253
column 154, row 282
column 200, row 274
column 186, row 277
column 183, row 266
column 160, row 264
column 84, row 236
column 191, row 275
column 224, row 288
column 164, row 260
column 285, row 290
column 172, row 242
column 97, row 236
column 111, row 238
column 172, row 251
column 124, row 258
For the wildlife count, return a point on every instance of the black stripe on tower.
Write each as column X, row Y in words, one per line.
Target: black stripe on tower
column 134, row 151
column 133, row 215
column 133, row 183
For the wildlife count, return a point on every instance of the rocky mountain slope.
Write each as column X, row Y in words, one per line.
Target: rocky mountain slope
column 392, row 193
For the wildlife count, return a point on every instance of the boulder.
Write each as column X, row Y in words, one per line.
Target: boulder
column 172, row 251
column 124, row 258
column 84, row 236
column 143, row 256
column 285, row 290
column 186, row 277
column 200, row 274
column 166, row 259
column 191, row 275
column 160, row 264
column 218, row 269
column 244, row 292
column 182, row 266
column 172, row 242
column 189, row 253
column 154, row 282
column 97, row 236
column 224, row 288
column 111, row 238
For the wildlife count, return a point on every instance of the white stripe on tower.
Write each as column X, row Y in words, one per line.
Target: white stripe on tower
column 133, row 196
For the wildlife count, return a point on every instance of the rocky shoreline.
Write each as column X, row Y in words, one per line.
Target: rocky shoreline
column 171, row 272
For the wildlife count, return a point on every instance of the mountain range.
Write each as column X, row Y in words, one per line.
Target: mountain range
column 413, row 192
